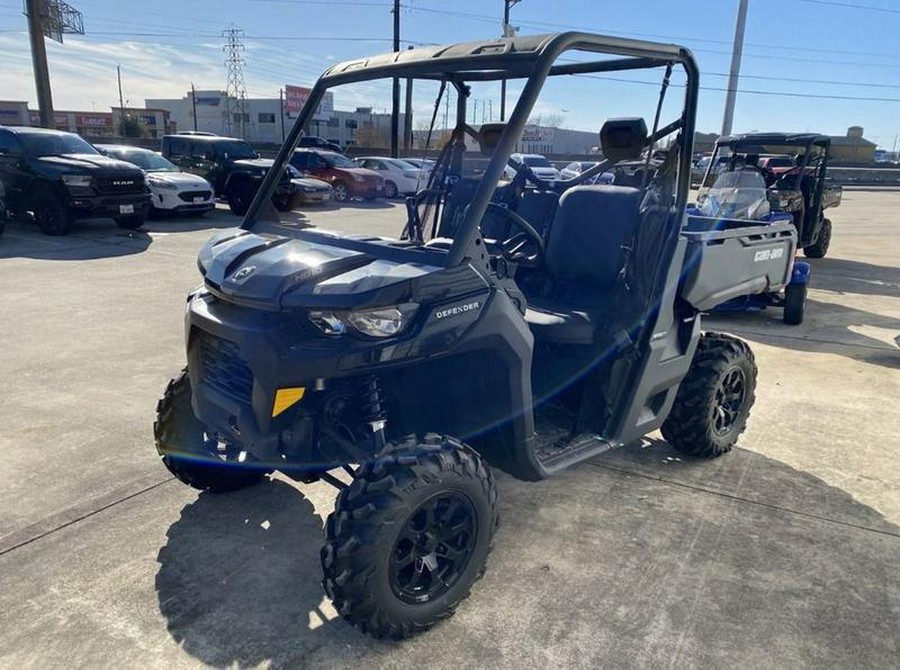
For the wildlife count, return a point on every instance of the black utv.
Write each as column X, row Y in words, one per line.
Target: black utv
column 521, row 324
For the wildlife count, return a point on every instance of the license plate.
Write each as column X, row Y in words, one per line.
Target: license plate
column 198, row 201
column 126, row 209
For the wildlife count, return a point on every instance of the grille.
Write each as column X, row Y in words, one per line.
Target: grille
column 222, row 367
column 113, row 184
column 188, row 196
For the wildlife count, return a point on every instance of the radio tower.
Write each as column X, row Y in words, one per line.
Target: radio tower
column 235, row 88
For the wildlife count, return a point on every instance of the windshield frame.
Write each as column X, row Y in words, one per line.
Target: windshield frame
column 532, row 58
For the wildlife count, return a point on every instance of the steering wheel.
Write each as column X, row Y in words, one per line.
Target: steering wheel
column 525, row 248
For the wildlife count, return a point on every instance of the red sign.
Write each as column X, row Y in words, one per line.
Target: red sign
column 93, row 120
column 294, row 98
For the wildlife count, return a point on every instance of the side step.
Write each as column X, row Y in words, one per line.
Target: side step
column 557, row 449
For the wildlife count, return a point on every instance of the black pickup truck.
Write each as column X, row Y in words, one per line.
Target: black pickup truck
column 57, row 177
column 232, row 166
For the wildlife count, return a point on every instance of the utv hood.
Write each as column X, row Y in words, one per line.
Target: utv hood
column 273, row 272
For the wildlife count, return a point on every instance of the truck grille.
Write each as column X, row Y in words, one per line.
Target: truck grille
column 222, row 367
column 115, row 184
column 188, row 196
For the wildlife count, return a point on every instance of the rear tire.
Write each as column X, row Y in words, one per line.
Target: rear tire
column 50, row 213
column 131, row 222
column 820, row 248
column 409, row 536
column 714, row 401
column 794, row 304
column 239, row 196
column 390, row 190
column 187, row 452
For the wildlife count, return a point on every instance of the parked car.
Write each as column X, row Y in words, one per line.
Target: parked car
column 231, row 165
column 57, row 178
column 310, row 191
column 171, row 190
column 346, row 178
column 400, row 177
column 575, row 168
column 539, row 165
column 312, row 142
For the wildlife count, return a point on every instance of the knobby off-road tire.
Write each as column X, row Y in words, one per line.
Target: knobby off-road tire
column 794, row 304
column 50, row 213
column 820, row 248
column 186, row 451
column 409, row 536
column 714, row 401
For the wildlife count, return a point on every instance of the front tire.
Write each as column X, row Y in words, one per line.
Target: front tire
column 131, row 222
column 390, row 190
column 820, row 248
column 341, row 194
column 794, row 304
column 713, row 403
column 409, row 536
column 239, row 197
column 188, row 452
column 50, row 213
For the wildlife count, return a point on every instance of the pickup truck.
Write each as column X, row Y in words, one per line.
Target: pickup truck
column 55, row 178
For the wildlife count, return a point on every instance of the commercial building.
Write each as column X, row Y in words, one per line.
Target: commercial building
column 150, row 122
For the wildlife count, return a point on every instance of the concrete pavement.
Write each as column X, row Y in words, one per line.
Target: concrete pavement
column 785, row 553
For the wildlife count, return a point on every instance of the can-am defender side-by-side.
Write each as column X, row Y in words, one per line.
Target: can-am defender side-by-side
column 523, row 324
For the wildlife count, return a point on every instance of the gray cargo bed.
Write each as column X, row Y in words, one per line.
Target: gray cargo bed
column 728, row 258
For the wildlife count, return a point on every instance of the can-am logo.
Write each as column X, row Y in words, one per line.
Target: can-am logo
column 458, row 309
column 768, row 255
column 243, row 273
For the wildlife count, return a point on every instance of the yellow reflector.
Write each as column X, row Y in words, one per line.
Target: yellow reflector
column 284, row 398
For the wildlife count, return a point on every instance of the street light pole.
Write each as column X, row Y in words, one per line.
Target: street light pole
column 35, row 9
column 735, row 68
column 508, row 31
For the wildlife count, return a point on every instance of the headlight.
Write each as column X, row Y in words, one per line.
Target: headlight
column 358, row 178
column 379, row 323
column 155, row 182
column 77, row 180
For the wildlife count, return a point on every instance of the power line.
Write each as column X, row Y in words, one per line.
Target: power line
column 869, row 8
column 235, row 89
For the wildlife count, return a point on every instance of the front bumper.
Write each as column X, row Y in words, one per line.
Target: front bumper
column 365, row 189
column 85, row 206
column 173, row 201
column 317, row 197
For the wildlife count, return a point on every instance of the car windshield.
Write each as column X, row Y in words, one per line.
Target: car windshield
column 146, row 160
column 536, row 161
column 52, row 144
column 399, row 164
column 338, row 161
column 236, row 150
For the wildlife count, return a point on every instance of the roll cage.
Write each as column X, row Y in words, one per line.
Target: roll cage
column 532, row 57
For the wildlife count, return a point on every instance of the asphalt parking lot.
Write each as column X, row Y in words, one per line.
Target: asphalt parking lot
column 784, row 553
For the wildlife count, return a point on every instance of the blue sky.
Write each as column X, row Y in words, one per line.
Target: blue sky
column 845, row 51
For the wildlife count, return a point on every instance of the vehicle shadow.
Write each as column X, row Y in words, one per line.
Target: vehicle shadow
column 380, row 203
column 239, row 578
column 637, row 558
column 829, row 328
column 185, row 224
column 88, row 240
column 848, row 276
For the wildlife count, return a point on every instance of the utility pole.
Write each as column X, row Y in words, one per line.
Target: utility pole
column 121, row 100
column 194, row 103
column 735, row 73
column 395, row 98
column 39, row 58
column 407, row 116
column 508, row 31
column 281, row 107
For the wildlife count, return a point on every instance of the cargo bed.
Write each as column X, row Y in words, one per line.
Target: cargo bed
column 727, row 258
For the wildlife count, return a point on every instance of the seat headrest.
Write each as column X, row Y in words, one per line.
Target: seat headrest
column 489, row 137
column 623, row 139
